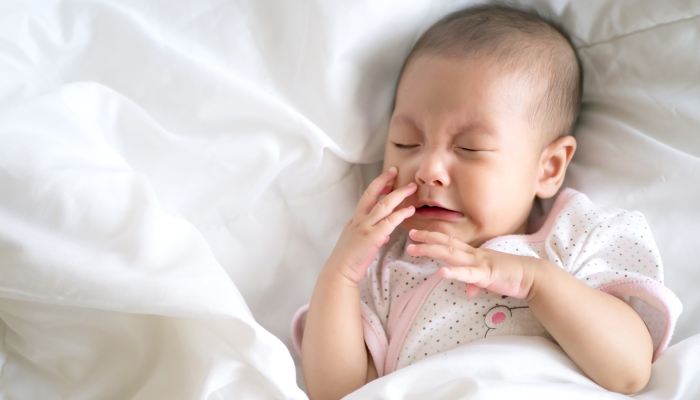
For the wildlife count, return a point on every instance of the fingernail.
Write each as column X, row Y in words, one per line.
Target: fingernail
column 412, row 184
column 392, row 169
column 413, row 231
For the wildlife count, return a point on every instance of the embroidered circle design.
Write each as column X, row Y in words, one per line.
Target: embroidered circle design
column 498, row 317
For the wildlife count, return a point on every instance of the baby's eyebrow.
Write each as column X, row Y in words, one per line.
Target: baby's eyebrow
column 474, row 129
column 404, row 119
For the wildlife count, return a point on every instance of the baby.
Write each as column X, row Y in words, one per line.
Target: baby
column 480, row 132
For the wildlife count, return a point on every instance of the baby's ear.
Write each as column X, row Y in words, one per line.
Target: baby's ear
column 552, row 166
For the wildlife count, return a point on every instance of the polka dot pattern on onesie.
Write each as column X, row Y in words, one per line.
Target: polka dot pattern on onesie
column 608, row 249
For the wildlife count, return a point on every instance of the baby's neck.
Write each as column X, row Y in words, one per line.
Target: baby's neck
column 536, row 218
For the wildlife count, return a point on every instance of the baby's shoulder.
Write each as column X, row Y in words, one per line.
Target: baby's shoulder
column 575, row 214
column 578, row 231
column 583, row 231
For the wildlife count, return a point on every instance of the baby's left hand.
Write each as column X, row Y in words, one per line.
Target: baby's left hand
column 503, row 273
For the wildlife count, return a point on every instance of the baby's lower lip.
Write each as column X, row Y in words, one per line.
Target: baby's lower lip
column 439, row 213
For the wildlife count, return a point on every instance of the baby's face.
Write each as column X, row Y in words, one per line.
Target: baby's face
column 460, row 130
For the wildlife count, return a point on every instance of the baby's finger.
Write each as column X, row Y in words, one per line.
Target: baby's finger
column 465, row 274
column 371, row 195
column 387, row 205
column 388, row 224
column 431, row 237
column 448, row 254
column 387, row 189
column 472, row 290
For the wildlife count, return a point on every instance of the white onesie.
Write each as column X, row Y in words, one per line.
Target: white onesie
column 410, row 312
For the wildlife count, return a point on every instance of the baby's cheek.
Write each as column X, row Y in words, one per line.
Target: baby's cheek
column 402, row 181
column 390, row 160
column 405, row 203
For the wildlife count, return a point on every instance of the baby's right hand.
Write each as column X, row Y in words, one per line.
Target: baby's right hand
column 370, row 226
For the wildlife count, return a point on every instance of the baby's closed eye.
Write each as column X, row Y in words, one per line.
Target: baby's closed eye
column 404, row 146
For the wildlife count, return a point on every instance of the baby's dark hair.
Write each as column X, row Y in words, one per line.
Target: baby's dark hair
column 515, row 39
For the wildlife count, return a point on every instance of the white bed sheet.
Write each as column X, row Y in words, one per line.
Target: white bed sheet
column 162, row 161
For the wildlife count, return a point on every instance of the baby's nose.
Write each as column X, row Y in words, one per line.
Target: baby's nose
column 436, row 182
column 433, row 171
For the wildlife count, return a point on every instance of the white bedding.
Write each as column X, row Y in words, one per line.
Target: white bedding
column 163, row 161
column 522, row 367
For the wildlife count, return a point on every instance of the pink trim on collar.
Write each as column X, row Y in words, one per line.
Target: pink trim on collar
column 373, row 340
column 397, row 309
column 542, row 233
column 403, row 323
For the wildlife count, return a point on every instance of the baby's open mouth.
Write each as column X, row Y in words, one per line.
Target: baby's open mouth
column 433, row 207
column 437, row 212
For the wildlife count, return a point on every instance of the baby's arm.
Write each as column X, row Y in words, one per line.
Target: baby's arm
column 334, row 355
column 602, row 334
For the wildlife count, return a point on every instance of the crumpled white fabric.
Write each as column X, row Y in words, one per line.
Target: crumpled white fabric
column 526, row 367
column 158, row 157
column 103, row 290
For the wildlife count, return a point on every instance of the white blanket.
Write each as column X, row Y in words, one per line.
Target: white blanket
column 521, row 367
column 173, row 175
column 104, row 292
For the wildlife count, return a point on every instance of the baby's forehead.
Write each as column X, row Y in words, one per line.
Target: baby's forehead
column 534, row 50
column 521, row 75
column 485, row 81
column 500, row 85
column 481, row 121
